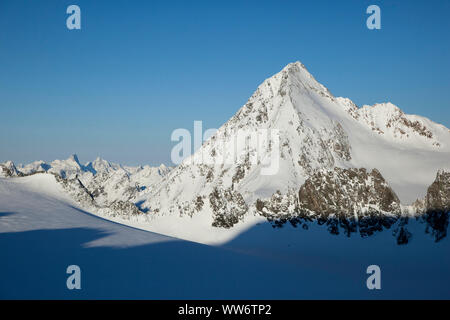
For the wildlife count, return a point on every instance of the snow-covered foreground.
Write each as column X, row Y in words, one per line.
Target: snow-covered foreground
column 342, row 159
column 42, row 232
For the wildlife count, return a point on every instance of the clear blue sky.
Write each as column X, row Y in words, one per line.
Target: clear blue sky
column 137, row 70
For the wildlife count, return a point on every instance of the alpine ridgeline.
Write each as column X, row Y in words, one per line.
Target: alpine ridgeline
column 100, row 187
column 315, row 156
column 334, row 159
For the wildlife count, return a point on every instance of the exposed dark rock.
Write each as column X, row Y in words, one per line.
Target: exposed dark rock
column 199, row 203
column 228, row 207
column 438, row 194
column 348, row 192
column 76, row 189
column 8, row 169
column 124, row 209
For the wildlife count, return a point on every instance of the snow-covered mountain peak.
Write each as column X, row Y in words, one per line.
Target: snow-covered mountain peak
column 99, row 165
column 317, row 132
column 74, row 158
column 8, row 169
column 385, row 110
column 296, row 76
column 163, row 169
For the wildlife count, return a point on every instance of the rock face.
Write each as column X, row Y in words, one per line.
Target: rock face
column 389, row 122
column 358, row 201
column 304, row 140
column 438, row 194
column 337, row 193
column 348, row 192
column 228, row 207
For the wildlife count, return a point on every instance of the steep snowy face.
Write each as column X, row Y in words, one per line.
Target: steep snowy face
column 313, row 131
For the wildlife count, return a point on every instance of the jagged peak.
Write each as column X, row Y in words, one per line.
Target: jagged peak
column 9, row 163
column 297, row 73
column 98, row 164
column 442, row 172
column 295, row 70
column 74, row 158
column 295, row 66
column 10, row 168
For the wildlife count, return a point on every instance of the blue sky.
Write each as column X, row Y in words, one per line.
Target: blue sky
column 137, row 70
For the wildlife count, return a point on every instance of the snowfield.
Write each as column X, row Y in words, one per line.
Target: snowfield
column 42, row 231
column 212, row 228
column 317, row 131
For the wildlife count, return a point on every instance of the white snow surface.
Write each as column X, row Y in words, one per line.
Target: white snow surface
column 42, row 231
column 316, row 131
column 38, row 202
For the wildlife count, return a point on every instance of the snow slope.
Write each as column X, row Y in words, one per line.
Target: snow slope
column 316, row 131
column 43, row 204
column 42, row 232
column 108, row 183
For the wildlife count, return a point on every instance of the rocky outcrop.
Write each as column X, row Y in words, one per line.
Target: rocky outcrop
column 228, row 207
column 348, row 192
column 438, row 194
column 348, row 200
column 77, row 191
column 339, row 193
column 388, row 120
column 8, row 169
column 100, row 187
